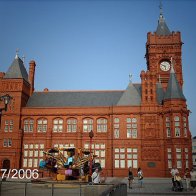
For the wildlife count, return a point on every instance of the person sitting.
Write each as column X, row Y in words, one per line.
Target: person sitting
column 178, row 181
column 193, row 179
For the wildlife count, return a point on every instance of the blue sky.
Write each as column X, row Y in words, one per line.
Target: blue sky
column 93, row 44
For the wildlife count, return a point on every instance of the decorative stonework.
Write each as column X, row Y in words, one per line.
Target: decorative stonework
column 151, row 154
column 11, row 86
column 149, row 127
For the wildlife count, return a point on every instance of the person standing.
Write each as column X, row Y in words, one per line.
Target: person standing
column 96, row 176
column 187, row 178
column 173, row 172
column 140, row 177
column 130, row 177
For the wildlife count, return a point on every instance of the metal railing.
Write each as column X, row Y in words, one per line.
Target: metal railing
column 27, row 188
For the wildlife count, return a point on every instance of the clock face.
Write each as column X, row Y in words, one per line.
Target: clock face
column 165, row 65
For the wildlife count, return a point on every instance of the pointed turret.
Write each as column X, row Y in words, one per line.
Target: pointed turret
column 17, row 69
column 162, row 28
column 173, row 90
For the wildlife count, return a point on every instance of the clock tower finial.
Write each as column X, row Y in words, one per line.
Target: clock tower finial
column 162, row 28
column 130, row 77
column 17, row 51
column 161, row 8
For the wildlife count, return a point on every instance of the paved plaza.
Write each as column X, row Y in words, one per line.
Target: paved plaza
column 152, row 186
column 156, row 186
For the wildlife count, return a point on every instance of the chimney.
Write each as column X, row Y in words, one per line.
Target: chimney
column 31, row 75
column 2, row 74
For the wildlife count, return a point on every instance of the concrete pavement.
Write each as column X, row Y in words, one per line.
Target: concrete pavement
column 152, row 186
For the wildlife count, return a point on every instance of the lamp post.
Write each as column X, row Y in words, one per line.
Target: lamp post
column 6, row 100
column 91, row 135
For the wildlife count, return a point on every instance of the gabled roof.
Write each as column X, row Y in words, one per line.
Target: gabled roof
column 162, row 28
column 131, row 96
column 74, row 99
column 173, row 90
column 86, row 98
column 17, row 70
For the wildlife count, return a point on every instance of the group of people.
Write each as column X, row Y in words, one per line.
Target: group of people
column 131, row 177
column 189, row 177
column 96, row 179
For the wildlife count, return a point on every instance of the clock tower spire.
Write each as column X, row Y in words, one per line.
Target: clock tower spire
column 161, row 45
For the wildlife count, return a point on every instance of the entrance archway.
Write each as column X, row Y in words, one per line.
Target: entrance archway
column 6, row 164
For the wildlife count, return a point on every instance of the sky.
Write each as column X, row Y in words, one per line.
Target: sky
column 93, row 44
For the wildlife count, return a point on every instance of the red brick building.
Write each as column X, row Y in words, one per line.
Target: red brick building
column 146, row 125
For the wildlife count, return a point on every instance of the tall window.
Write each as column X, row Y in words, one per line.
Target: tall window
column 179, row 157
column 168, row 128
column 87, row 124
column 116, row 128
column 42, row 125
column 28, row 125
column 33, row 154
column 177, row 126
column 169, row 157
column 98, row 150
column 131, row 128
column 58, row 125
column 8, row 125
column 7, row 142
column 132, row 157
column 126, row 157
column 186, row 157
column 102, row 125
column 119, row 157
column 185, row 126
column 71, row 125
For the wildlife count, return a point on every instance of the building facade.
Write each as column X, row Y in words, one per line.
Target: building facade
column 146, row 125
column 194, row 151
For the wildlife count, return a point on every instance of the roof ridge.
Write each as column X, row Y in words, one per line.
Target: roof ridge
column 78, row 91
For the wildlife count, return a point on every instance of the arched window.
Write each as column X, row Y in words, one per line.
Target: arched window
column 9, row 125
column 102, row 125
column 87, row 125
column 71, row 125
column 6, row 164
column 177, row 126
column 58, row 125
column 28, row 125
column 42, row 125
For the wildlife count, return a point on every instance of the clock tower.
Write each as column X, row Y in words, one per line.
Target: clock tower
column 161, row 46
